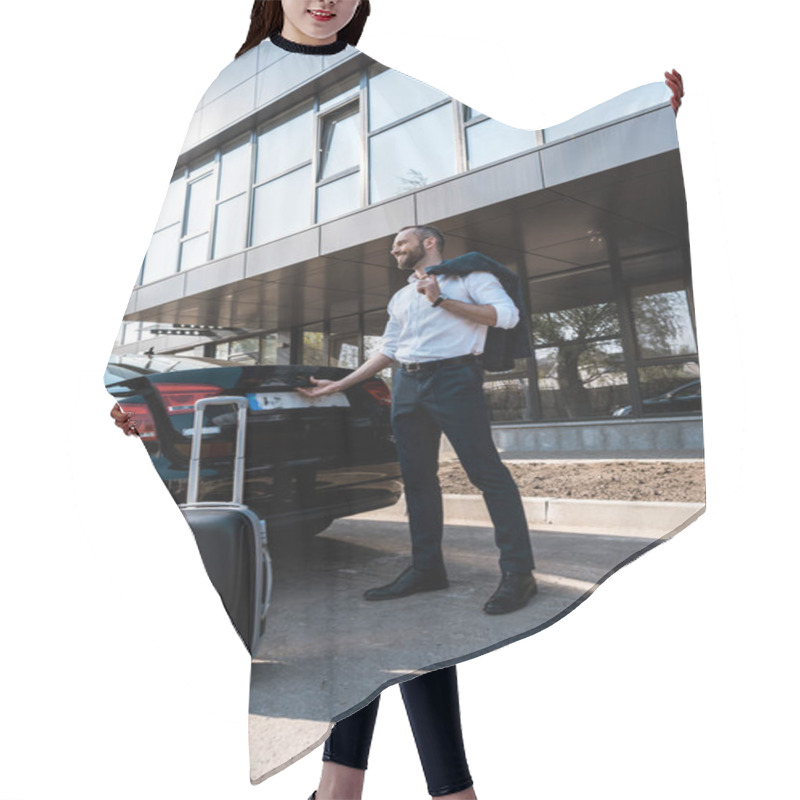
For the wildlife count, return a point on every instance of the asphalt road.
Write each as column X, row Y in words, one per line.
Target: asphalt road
column 325, row 647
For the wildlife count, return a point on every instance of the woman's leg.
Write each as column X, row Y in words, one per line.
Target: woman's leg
column 433, row 711
column 345, row 755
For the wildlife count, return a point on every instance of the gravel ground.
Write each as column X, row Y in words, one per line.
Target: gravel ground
column 671, row 481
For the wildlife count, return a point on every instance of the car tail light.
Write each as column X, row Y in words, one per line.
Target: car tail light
column 179, row 398
column 141, row 418
column 380, row 391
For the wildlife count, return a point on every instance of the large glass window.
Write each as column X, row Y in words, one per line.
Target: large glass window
column 670, row 389
column 340, row 148
column 662, row 320
column 374, row 326
column 338, row 197
column 579, row 380
column 578, row 349
column 244, row 351
column 285, row 145
column 283, row 170
column 172, row 210
column 199, row 202
column 201, row 192
column 312, row 345
column 276, row 348
column 194, row 251
column 344, row 343
column 339, row 162
column 273, row 216
column 162, row 255
column 508, row 397
column 393, row 96
column 490, row 140
column 413, row 154
column 234, row 171
column 230, row 225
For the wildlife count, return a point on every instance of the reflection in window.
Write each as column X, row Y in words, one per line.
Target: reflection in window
column 507, row 398
column 412, row 155
column 273, row 217
column 277, row 348
column 490, row 140
column 374, row 326
column 312, row 346
column 244, row 351
column 284, row 146
column 344, row 342
column 670, row 389
column 662, row 321
column 580, row 323
column 580, row 380
column 393, row 96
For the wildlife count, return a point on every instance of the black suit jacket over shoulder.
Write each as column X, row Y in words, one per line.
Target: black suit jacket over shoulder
column 502, row 345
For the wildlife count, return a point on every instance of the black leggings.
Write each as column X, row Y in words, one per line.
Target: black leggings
column 432, row 707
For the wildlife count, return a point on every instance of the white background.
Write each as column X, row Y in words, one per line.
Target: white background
column 120, row 675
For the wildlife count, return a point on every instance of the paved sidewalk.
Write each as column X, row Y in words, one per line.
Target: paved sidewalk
column 324, row 643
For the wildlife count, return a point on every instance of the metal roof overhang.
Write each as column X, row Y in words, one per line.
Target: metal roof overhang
column 553, row 209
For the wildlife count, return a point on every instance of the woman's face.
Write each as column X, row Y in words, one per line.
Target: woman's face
column 316, row 21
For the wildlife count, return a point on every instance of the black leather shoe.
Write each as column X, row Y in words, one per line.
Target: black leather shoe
column 514, row 591
column 410, row 581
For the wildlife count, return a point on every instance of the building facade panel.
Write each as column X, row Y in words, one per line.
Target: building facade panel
column 512, row 178
column 602, row 149
column 593, row 222
column 217, row 273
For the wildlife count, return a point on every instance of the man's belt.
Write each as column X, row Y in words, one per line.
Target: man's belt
column 419, row 366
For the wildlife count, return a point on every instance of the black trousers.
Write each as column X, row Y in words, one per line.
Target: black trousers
column 450, row 399
column 432, row 706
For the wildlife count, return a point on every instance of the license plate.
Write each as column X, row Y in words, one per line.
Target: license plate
column 269, row 401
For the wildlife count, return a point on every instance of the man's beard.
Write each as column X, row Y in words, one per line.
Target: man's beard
column 412, row 258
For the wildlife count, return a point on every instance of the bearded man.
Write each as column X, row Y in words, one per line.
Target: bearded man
column 437, row 331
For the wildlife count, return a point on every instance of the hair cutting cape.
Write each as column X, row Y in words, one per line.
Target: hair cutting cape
column 271, row 257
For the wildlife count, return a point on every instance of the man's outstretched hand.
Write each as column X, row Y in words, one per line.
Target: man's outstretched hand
column 319, row 389
column 675, row 83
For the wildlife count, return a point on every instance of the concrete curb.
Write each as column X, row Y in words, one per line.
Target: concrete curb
column 621, row 517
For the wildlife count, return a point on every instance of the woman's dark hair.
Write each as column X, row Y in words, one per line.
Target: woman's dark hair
column 266, row 18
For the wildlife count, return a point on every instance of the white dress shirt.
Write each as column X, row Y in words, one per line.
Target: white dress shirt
column 417, row 331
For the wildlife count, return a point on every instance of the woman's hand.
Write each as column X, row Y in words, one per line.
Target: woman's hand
column 675, row 83
column 122, row 419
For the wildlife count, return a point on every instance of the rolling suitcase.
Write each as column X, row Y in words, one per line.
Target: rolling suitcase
column 231, row 539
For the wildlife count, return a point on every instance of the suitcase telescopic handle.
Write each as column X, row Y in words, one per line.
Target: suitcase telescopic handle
column 238, row 460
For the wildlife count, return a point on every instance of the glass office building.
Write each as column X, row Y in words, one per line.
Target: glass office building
column 590, row 214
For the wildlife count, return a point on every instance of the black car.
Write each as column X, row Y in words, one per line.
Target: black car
column 307, row 461
column 683, row 399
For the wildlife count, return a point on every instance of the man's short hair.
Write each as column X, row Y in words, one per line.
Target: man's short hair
column 427, row 231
